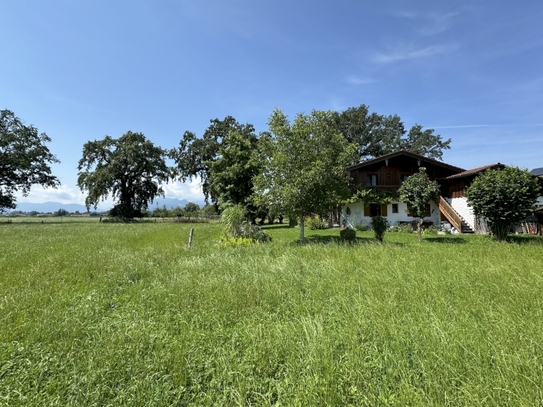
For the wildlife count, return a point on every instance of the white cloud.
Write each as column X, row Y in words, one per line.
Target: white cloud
column 357, row 80
column 191, row 191
column 408, row 53
column 63, row 194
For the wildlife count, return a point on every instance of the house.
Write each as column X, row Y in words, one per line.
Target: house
column 385, row 174
column 453, row 191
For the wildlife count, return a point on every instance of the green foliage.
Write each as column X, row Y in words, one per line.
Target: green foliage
column 315, row 223
column 191, row 210
column 402, row 228
column 235, row 226
column 361, row 227
column 24, row 159
column 379, row 225
column 232, row 219
column 130, row 169
column 503, row 197
column 431, row 230
column 367, row 194
column 375, row 135
column 305, row 172
column 416, row 192
column 231, row 173
column 347, row 234
column 224, row 152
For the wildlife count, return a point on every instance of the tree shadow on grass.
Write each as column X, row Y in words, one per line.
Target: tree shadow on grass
column 525, row 239
column 275, row 226
column 445, row 239
column 358, row 241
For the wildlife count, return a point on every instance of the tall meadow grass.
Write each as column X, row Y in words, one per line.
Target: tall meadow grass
column 127, row 314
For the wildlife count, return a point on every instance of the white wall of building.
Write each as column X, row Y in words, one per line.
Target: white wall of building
column 357, row 215
column 460, row 205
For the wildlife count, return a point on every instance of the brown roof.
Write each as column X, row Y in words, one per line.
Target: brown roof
column 406, row 153
column 475, row 171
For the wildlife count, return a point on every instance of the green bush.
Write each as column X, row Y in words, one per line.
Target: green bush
column 347, row 234
column 379, row 226
column 316, row 223
column 361, row 227
column 431, row 230
column 402, row 228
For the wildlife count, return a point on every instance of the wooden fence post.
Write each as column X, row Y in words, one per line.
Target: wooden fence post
column 190, row 237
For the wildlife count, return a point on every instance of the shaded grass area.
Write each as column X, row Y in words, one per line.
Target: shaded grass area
column 126, row 314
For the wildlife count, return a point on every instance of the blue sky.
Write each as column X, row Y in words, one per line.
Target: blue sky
column 80, row 70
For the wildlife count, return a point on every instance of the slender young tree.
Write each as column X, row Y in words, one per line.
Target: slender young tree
column 304, row 169
column 417, row 191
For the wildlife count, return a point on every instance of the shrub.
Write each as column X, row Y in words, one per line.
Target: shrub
column 402, row 228
column 431, row 230
column 232, row 220
column 361, row 227
column 235, row 227
column 380, row 226
column 347, row 234
column 316, row 223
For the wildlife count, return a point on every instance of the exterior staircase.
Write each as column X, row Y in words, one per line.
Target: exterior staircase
column 453, row 217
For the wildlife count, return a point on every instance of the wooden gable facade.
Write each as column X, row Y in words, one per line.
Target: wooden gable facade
column 390, row 170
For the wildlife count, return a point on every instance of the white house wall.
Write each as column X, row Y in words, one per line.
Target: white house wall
column 460, row 205
column 357, row 215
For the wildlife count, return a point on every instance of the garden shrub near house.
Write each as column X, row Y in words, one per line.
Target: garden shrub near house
column 348, row 234
column 315, row 223
column 379, row 226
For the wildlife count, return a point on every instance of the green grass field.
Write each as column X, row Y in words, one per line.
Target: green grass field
column 125, row 314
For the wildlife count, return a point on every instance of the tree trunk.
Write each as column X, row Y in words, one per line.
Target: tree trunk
column 420, row 229
column 302, row 221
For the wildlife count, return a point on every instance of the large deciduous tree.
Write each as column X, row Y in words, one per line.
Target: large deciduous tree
column 503, row 197
column 304, row 172
column 375, row 134
column 25, row 159
column 417, row 191
column 195, row 157
column 131, row 169
column 231, row 174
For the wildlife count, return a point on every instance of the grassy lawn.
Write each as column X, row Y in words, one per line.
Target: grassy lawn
column 96, row 314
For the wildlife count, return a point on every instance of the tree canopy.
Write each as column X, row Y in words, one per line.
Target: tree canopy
column 376, row 135
column 195, row 157
column 503, row 197
column 130, row 169
column 417, row 191
column 25, row 159
column 304, row 172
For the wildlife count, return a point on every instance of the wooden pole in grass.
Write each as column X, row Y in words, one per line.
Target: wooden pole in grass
column 190, row 237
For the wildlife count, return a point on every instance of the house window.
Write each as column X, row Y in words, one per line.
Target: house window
column 403, row 178
column 394, row 208
column 371, row 180
column 348, row 211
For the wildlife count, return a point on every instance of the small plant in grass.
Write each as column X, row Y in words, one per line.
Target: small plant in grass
column 315, row 223
column 402, row 228
column 233, row 242
column 348, row 234
column 431, row 230
column 379, row 226
column 235, row 227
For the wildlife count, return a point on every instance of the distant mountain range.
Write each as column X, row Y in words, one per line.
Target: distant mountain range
column 55, row 206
